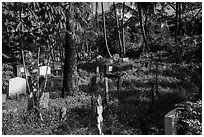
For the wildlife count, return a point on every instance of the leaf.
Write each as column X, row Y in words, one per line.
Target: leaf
column 63, row 14
column 50, row 17
column 35, row 16
column 52, row 11
column 55, row 9
column 19, row 26
column 64, row 24
column 23, row 28
column 46, row 16
column 61, row 25
column 5, row 56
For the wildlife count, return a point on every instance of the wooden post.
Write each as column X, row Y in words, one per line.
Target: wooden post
column 157, row 91
column 152, row 105
column 119, row 83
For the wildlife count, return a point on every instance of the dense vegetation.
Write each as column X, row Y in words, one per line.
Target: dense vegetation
column 162, row 40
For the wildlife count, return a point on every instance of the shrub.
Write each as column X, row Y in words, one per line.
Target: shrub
column 190, row 118
column 6, row 75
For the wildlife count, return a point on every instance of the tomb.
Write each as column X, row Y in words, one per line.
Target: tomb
column 21, row 72
column 57, row 68
column 17, row 86
column 170, row 120
column 44, row 70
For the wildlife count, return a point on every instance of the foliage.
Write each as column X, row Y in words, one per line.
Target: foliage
column 128, row 109
column 190, row 118
column 135, row 109
column 6, row 74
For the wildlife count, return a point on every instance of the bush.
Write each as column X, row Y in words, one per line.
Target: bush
column 190, row 118
column 6, row 75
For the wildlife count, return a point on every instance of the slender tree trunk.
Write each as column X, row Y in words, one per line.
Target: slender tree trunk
column 23, row 56
column 195, row 16
column 199, row 95
column 145, row 26
column 38, row 84
column 104, row 30
column 96, row 23
column 123, row 31
column 179, row 19
column 176, row 23
column 142, row 28
column 70, row 84
column 117, row 26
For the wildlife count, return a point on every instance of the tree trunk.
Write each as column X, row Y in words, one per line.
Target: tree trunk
column 123, row 31
column 176, row 23
column 104, row 30
column 117, row 26
column 179, row 18
column 70, row 84
column 142, row 28
column 96, row 23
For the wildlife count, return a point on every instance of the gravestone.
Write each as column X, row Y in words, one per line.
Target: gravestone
column 44, row 69
column 17, row 86
column 44, row 100
column 57, row 65
column 170, row 120
column 21, row 71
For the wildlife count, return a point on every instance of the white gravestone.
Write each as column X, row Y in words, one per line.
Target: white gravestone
column 110, row 68
column 43, row 70
column 17, row 86
column 170, row 120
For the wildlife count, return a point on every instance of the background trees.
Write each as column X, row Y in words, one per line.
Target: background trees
column 59, row 26
column 165, row 36
column 28, row 26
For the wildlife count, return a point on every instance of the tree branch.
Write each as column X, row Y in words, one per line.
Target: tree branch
column 171, row 5
column 195, row 16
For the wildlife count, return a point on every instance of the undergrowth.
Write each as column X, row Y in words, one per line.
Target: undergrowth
column 131, row 110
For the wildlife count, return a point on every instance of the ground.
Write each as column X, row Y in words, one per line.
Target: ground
column 131, row 110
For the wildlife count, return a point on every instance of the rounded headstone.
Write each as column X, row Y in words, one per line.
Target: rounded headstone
column 17, row 86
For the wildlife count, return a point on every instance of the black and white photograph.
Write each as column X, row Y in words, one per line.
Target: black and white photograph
column 101, row 68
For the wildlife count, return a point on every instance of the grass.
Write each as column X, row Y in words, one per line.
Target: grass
column 130, row 110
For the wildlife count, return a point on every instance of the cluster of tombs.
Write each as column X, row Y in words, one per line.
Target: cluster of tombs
column 17, row 85
column 55, row 68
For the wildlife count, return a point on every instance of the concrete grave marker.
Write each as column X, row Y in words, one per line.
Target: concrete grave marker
column 43, row 70
column 110, row 68
column 21, row 71
column 170, row 120
column 17, row 86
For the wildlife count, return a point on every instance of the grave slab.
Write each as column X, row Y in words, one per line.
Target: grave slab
column 170, row 120
column 43, row 70
column 17, row 86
